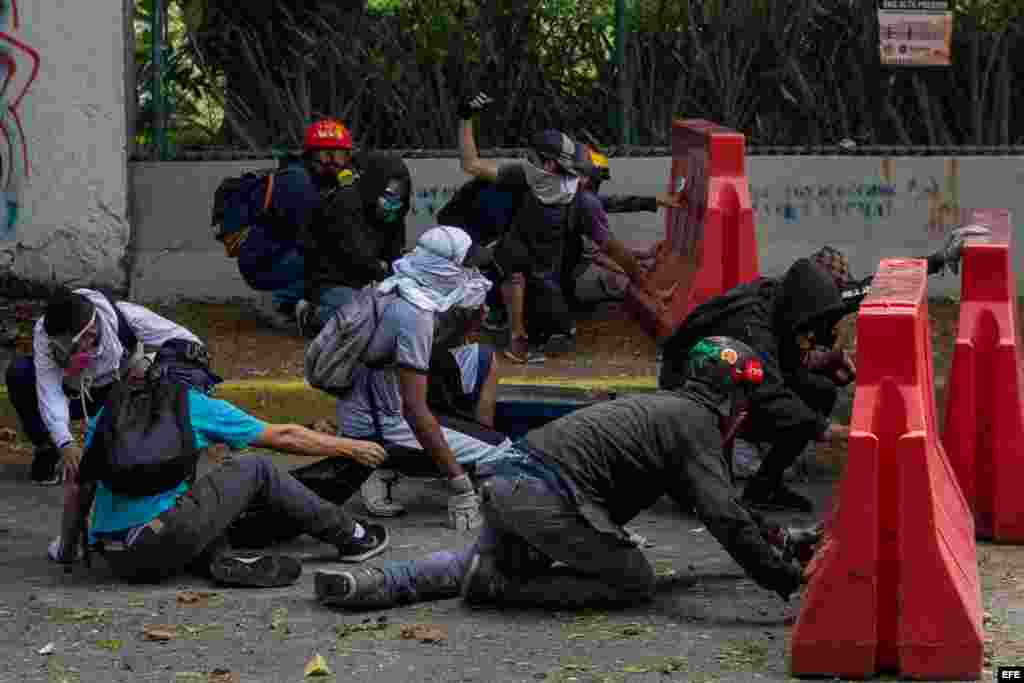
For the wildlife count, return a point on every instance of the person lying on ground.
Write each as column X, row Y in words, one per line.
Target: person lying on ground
column 356, row 237
column 781, row 319
column 563, row 493
column 82, row 346
column 151, row 518
column 387, row 401
column 271, row 257
column 529, row 255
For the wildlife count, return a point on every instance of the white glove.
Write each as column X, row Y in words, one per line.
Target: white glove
column 954, row 247
column 464, row 511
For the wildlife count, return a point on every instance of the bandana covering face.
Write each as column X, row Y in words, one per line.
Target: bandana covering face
column 550, row 188
column 433, row 278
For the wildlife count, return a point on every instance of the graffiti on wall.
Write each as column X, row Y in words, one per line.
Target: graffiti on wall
column 19, row 68
column 870, row 199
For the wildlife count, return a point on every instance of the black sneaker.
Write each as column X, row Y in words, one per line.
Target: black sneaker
column 483, row 582
column 782, row 498
column 46, row 470
column 374, row 541
column 358, row 588
column 257, row 570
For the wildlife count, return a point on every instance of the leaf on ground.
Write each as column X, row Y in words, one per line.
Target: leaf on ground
column 57, row 672
column 112, row 644
column 368, row 626
column 672, row 664
column 224, row 676
column 317, row 667
column 743, row 655
column 425, row 633
column 279, row 620
column 189, row 677
column 203, row 630
column 634, row 630
column 71, row 615
column 159, row 632
column 636, row 669
column 199, row 598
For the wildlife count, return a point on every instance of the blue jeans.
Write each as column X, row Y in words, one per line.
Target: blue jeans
column 21, row 389
column 202, row 517
column 529, row 526
column 271, row 266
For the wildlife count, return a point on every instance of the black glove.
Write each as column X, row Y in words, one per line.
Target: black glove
column 787, row 582
column 474, row 105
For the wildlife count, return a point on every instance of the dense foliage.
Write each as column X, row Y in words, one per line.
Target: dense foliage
column 785, row 72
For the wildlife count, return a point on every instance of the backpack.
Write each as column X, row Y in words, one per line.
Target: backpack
column 481, row 208
column 246, row 196
column 143, row 443
column 332, row 357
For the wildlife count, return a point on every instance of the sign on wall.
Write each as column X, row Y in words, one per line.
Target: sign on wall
column 915, row 33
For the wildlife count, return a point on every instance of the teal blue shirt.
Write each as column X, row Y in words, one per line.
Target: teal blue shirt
column 213, row 421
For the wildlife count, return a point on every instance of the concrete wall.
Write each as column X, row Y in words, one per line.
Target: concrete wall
column 66, row 217
column 867, row 206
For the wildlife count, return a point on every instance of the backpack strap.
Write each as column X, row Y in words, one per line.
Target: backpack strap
column 269, row 192
column 125, row 334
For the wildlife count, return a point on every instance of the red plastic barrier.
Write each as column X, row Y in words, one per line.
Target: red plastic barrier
column 985, row 404
column 711, row 244
column 895, row 587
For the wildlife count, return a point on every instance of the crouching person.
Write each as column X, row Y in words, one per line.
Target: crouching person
column 564, row 492
column 151, row 518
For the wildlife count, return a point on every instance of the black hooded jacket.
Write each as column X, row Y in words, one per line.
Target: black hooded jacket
column 767, row 314
column 348, row 245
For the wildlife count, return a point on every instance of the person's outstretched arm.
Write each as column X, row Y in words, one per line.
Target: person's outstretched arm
column 293, row 438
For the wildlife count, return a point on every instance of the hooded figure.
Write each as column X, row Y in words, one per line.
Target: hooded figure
column 360, row 231
column 781, row 320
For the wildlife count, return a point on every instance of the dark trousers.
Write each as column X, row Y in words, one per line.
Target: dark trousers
column 820, row 394
column 534, row 526
column 21, row 389
column 528, row 528
column 200, row 519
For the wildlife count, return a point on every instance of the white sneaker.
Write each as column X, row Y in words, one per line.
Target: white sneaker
column 376, row 493
column 464, row 511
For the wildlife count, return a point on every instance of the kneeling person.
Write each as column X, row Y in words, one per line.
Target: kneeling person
column 564, row 492
column 152, row 518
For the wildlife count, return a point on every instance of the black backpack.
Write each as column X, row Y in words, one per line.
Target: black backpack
column 251, row 194
column 143, row 443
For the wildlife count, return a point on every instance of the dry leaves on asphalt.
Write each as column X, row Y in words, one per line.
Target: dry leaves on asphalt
column 197, row 598
column 224, row 676
column 159, row 632
column 425, row 633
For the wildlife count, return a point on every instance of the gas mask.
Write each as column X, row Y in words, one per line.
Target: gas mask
column 390, row 202
column 76, row 354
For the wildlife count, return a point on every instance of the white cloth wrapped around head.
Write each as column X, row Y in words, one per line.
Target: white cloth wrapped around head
column 440, row 273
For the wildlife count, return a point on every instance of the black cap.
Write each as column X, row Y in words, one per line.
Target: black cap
column 67, row 314
column 556, row 145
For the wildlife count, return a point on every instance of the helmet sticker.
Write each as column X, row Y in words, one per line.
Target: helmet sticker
column 729, row 356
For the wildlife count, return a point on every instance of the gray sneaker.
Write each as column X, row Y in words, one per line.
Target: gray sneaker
column 362, row 588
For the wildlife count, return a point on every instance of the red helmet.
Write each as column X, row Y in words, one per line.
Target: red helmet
column 328, row 134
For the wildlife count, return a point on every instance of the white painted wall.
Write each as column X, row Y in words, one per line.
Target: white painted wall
column 867, row 206
column 67, row 216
